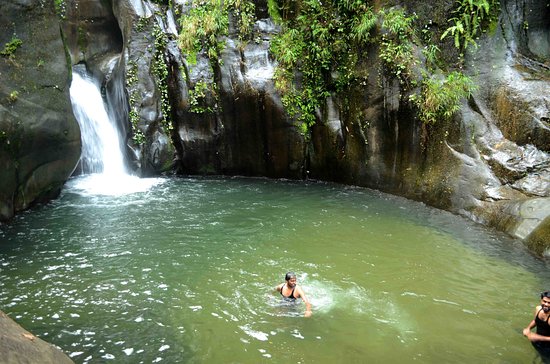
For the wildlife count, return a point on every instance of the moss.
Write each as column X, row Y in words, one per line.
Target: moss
column 511, row 116
column 82, row 39
column 539, row 240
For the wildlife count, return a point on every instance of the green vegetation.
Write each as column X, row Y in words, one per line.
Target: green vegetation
column 208, row 20
column 11, row 47
column 317, row 51
column 396, row 44
column 321, row 47
column 471, row 17
column 141, row 23
column 440, row 97
column 60, row 8
column 133, row 115
column 13, row 96
column 244, row 11
column 82, row 39
column 201, row 29
column 160, row 70
column 198, row 96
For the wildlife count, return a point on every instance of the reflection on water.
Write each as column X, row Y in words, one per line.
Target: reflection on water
column 184, row 271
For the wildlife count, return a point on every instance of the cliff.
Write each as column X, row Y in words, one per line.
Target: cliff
column 218, row 111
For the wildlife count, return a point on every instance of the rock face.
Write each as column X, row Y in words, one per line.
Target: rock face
column 39, row 137
column 489, row 163
column 511, row 112
column 20, row 346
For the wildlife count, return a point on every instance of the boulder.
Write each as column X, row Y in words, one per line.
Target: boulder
column 18, row 346
column 39, row 136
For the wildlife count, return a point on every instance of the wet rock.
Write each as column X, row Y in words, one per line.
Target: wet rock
column 538, row 239
column 39, row 137
column 20, row 346
column 525, row 219
column 148, row 32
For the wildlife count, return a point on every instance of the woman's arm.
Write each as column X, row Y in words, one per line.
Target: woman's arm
column 302, row 295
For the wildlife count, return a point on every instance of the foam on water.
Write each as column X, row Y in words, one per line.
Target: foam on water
column 101, row 145
column 111, row 185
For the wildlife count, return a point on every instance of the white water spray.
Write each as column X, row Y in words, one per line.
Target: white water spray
column 260, row 66
column 101, row 158
column 100, row 142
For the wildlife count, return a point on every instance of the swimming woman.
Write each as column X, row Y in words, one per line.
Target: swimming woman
column 291, row 291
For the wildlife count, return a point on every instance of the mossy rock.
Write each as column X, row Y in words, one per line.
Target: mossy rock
column 539, row 239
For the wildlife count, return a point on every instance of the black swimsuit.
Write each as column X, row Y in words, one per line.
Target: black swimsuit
column 543, row 328
column 291, row 295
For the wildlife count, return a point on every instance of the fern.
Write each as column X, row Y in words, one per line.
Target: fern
column 470, row 18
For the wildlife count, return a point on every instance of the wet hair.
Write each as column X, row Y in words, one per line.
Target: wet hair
column 545, row 294
column 289, row 276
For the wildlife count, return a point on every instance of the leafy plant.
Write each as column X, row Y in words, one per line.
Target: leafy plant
column 431, row 52
column 274, row 11
column 13, row 96
column 244, row 10
column 470, row 18
column 131, row 81
column 198, row 97
column 440, row 97
column 60, row 8
column 362, row 25
column 11, row 47
column 161, row 71
column 207, row 21
column 201, row 28
column 396, row 45
column 317, row 52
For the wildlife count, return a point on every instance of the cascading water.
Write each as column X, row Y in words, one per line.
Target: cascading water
column 260, row 66
column 102, row 160
column 101, row 151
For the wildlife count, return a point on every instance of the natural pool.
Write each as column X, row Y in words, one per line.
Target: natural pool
column 184, row 271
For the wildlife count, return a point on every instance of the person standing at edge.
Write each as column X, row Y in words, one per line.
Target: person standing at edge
column 541, row 337
column 291, row 291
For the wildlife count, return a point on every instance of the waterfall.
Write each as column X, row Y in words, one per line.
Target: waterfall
column 260, row 67
column 101, row 151
column 102, row 159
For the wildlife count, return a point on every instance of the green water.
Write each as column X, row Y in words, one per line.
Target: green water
column 184, row 273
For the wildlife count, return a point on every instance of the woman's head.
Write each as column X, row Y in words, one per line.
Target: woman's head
column 289, row 276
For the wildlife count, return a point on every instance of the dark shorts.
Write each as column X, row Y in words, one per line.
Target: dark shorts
column 544, row 350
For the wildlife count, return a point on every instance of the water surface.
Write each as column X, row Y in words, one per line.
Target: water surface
column 183, row 271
